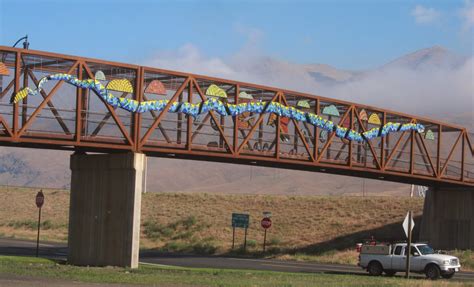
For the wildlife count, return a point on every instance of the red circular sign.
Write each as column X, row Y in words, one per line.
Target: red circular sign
column 266, row 223
column 39, row 199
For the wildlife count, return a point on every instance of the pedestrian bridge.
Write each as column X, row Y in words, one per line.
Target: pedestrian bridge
column 53, row 101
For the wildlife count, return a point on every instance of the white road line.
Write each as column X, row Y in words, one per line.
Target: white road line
column 159, row 265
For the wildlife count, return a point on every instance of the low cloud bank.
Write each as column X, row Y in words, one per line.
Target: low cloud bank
column 436, row 84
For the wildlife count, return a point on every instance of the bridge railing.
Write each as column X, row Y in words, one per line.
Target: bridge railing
column 65, row 116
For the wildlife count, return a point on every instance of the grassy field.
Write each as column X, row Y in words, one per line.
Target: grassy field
column 319, row 228
column 176, row 220
column 174, row 276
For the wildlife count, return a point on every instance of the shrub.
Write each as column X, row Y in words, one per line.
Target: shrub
column 47, row 225
column 175, row 246
column 155, row 230
column 274, row 241
column 204, row 248
column 184, row 235
column 189, row 221
column 251, row 243
column 32, row 224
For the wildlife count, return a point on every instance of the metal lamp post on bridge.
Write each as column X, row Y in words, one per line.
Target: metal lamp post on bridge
column 26, row 44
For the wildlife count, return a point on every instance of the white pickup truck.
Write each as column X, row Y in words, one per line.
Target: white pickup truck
column 391, row 259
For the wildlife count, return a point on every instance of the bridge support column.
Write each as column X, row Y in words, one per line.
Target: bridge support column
column 104, row 214
column 448, row 218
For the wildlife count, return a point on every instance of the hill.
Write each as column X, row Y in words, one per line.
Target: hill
column 181, row 221
column 320, row 228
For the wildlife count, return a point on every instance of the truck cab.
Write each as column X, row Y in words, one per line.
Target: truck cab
column 390, row 259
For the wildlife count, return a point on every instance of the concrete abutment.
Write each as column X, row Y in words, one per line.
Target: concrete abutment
column 448, row 218
column 105, row 205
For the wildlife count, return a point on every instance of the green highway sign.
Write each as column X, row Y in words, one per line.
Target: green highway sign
column 240, row 220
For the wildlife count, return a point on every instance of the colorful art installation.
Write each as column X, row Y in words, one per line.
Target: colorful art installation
column 323, row 136
column 374, row 119
column 223, row 109
column 100, row 76
column 283, row 126
column 347, row 122
column 284, row 129
column 363, row 115
column 245, row 119
column 121, row 85
column 429, row 135
column 4, row 69
column 156, row 87
column 331, row 111
column 215, row 91
column 303, row 104
column 245, row 96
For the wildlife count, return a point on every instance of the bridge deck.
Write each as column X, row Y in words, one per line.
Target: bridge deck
column 68, row 117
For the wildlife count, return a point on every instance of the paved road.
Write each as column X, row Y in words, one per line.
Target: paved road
column 59, row 251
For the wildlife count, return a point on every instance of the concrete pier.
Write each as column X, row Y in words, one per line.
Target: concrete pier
column 105, row 204
column 448, row 218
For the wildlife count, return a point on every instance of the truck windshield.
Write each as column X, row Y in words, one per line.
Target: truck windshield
column 425, row 249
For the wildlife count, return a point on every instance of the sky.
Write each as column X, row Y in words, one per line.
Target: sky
column 346, row 34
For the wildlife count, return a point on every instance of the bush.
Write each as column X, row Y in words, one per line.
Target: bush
column 189, row 221
column 251, row 243
column 175, row 246
column 32, row 224
column 27, row 224
column 155, row 230
column 204, row 248
column 274, row 241
column 184, row 235
column 198, row 248
column 47, row 225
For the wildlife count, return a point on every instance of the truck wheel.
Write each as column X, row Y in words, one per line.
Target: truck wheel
column 432, row 272
column 375, row 268
column 390, row 272
column 448, row 275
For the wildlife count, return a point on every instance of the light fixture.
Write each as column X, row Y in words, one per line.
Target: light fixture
column 26, row 44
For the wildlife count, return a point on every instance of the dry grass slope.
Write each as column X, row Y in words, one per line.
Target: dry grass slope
column 320, row 228
column 178, row 219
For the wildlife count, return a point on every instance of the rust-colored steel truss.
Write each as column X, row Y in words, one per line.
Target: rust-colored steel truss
column 65, row 117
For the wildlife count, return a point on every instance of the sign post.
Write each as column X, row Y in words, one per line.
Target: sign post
column 408, row 225
column 240, row 220
column 245, row 240
column 39, row 204
column 233, row 237
column 266, row 223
